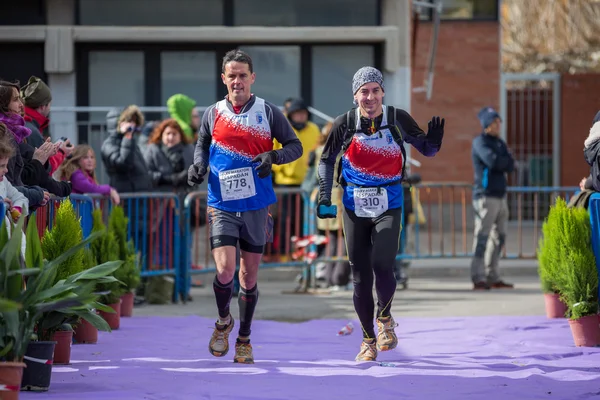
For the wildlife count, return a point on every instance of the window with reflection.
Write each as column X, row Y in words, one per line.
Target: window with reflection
column 306, row 12
column 150, row 12
column 277, row 71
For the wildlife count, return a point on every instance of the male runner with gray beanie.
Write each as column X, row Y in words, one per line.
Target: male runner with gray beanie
column 372, row 136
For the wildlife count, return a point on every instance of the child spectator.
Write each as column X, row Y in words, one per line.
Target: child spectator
column 79, row 167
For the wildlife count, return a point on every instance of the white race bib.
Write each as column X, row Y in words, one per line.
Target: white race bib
column 370, row 202
column 237, row 184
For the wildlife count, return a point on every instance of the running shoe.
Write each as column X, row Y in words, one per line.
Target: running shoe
column 386, row 337
column 368, row 351
column 243, row 353
column 219, row 341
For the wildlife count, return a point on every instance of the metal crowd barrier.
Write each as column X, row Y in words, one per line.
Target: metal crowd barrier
column 291, row 216
column 448, row 217
column 440, row 226
column 442, row 222
column 154, row 226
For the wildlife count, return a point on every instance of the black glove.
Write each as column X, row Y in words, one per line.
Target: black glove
column 165, row 179
column 435, row 133
column 180, row 178
column 196, row 174
column 266, row 162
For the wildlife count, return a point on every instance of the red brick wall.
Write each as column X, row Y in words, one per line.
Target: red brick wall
column 580, row 101
column 467, row 77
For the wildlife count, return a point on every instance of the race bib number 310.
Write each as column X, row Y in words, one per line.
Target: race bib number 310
column 370, row 202
column 237, row 184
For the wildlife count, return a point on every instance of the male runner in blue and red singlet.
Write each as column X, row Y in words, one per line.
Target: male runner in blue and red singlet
column 236, row 141
column 372, row 167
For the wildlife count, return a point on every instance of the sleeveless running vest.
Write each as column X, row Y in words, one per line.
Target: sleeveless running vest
column 233, row 184
column 373, row 161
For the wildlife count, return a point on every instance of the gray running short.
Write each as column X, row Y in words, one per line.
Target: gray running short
column 253, row 229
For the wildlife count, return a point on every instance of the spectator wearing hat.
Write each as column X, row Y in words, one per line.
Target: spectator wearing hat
column 37, row 99
column 183, row 110
column 491, row 162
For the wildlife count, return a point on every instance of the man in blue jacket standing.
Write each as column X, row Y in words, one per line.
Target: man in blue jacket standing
column 491, row 162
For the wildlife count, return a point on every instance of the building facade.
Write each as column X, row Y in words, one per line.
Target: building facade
column 104, row 53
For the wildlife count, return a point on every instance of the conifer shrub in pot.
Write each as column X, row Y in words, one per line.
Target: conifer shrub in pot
column 129, row 273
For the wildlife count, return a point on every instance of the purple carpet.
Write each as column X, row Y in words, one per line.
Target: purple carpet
column 443, row 358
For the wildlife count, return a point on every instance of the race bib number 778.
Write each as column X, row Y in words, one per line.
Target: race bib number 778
column 237, row 184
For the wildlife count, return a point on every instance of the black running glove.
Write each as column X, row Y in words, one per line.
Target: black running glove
column 266, row 162
column 179, row 178
column 435, row 133
column 196, row 174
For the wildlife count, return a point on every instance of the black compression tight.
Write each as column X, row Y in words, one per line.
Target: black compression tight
column 372, row 247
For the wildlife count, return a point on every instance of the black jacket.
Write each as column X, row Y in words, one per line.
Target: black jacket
column 123, row 160
column 23, row 170
column 35, row 174
column 491, row 162
column 591, row 152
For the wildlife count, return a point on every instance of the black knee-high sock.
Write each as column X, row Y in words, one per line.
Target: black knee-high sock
column 247, row 300
column 223, row 294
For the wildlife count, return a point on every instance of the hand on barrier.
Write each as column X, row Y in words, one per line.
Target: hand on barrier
column 326, row 210
column 196, row 174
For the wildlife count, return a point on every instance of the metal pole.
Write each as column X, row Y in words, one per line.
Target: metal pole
column 556, row 120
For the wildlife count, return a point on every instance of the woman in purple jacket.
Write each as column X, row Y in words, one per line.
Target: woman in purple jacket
column 80, row 168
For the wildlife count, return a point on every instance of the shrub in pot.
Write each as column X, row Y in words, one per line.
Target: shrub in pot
column 105, row 248
column 24, row 304
column 549, row 265
column 129, row 273
column 65, row 234
column 83, row 331
column 577, row 277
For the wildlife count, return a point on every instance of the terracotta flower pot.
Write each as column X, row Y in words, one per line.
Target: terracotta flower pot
column 11, row 374
column 62, row 350
column 85, row 333
column 585, row 331
column 127, row 304
column 555, row 308
column 113, row 319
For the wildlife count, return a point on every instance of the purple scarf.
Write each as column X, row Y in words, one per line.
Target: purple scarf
column 16, row 125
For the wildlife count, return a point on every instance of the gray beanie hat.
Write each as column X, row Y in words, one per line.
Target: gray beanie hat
column 366, row 75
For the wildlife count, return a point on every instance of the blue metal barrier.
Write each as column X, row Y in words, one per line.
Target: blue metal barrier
column 154, row 227
column 191, row 203
column 83, row 206
column 167, row 247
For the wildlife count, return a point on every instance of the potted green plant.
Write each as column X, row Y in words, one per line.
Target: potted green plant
column 577, row 277
column 83, row 331
column 549, row 264
column 66, row 233
column 129, row 273
column 14, row 331
column 25, row 303
column 105, row 248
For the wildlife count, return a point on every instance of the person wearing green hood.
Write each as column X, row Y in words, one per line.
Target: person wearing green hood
column 183, row 110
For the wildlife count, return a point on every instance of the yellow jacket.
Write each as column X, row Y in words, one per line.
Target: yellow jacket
column 294, row 172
